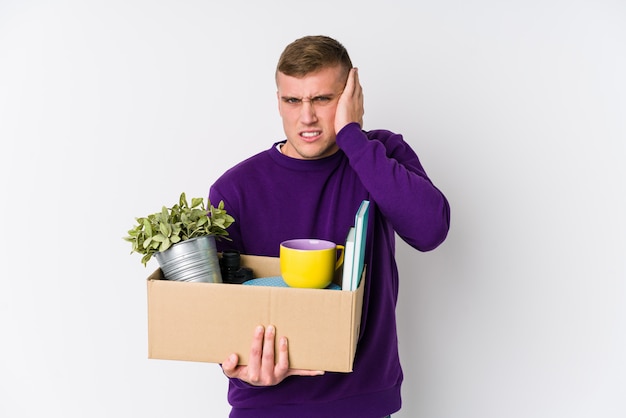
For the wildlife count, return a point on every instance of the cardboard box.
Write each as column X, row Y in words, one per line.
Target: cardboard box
column 208, row 321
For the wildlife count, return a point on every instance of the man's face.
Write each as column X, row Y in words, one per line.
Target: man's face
column 307, row 106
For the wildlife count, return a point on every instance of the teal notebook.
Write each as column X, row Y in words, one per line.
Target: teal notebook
column 360, row 235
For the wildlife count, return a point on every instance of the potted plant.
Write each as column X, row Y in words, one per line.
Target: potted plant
column 182, row 239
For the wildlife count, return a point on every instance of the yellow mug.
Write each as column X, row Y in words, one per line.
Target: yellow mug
column 309, row 262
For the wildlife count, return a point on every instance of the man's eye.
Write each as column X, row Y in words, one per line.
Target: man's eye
column 292, row 100
column 321, row 99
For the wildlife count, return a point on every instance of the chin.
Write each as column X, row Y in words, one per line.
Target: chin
column 310, row 150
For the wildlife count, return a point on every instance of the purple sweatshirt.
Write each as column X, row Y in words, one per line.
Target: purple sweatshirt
column 274, row 198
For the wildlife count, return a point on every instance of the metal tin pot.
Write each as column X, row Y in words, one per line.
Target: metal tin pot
column 193, row 260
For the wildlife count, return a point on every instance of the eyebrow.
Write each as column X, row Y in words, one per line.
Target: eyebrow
column 330, row 95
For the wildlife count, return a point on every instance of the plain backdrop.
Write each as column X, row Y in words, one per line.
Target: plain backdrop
column 517, row 109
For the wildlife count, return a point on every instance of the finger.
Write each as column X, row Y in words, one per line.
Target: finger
column 305, row 372
column 282, row 365
column 256, row 352
column 357, row 90
column 229, row 366
column 267, row 363
column 348, row 90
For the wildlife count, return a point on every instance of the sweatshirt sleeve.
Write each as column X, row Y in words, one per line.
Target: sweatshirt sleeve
column 392, row 174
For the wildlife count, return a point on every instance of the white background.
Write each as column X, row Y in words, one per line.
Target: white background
column 110, row 109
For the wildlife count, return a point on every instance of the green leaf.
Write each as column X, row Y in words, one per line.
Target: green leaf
column 147, row 227
column 165, row 229
column 165, row 244
column 196, row 201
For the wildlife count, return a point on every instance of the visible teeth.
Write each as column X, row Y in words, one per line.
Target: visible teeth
column 310, row 134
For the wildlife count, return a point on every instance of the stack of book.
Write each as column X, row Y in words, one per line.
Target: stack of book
column 354, row 252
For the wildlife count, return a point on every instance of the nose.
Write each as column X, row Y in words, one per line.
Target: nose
column 307, row 112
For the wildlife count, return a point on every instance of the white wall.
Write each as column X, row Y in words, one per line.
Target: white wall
column 109, row 109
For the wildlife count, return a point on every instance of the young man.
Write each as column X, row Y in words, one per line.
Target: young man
column 311, row 185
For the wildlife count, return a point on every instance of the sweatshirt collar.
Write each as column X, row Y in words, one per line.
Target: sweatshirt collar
column 304, row 165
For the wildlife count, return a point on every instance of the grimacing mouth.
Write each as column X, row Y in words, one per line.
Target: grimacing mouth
column 310, row 134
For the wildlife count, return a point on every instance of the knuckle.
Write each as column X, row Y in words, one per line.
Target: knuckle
column 282, row 369
column 268, row 357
